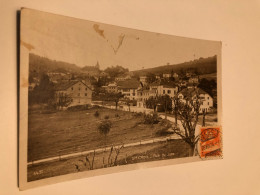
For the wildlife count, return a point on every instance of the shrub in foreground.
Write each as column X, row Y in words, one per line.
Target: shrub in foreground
column 151, row 118
column 104, row 127
column 96, row 114
column 164, row 128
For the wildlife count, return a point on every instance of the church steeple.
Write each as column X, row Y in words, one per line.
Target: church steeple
column 97, row 65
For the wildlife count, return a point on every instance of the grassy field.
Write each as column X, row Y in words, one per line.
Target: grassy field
column 64, row 132
column 142, row 153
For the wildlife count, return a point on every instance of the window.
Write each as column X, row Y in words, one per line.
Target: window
column 208, row 103
column 208, row 98
column 163, row 91
column 71, row 88
column 169, row 91
column 78, row 94
column 86, row 94
column 86, row 88
column 79, row 88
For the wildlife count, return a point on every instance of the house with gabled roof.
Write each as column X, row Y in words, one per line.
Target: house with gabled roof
column 191, row 92
column 129, row 88
column 143, row 94
column 112, row 87
column 79, row 92
column 164, row 88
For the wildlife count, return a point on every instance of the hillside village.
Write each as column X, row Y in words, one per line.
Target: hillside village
column 139, row 91
column 90, row 85
column 102, row 96
column 148, row 111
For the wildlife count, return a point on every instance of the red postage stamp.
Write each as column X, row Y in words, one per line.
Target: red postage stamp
column 210, row 142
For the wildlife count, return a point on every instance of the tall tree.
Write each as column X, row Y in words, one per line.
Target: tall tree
column 115, row 97
column 63, row 100
column 44, row 92
column 175, row 108
column 152, row 102
column 188, row 111
column 166, row 102
column 204, row 112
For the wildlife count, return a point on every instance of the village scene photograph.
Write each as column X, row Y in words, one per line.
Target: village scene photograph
column 101, row 96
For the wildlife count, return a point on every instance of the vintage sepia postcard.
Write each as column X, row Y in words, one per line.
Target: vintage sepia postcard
column 98, row 99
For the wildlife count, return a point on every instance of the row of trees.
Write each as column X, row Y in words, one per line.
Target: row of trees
column 44, row 93
column 115, row 71
column 165, row 102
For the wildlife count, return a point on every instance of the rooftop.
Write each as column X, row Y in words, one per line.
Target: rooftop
column 65, row 85
column 168, row 84
column 192, row 91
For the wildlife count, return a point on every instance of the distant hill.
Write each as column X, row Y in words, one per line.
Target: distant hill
column 38, row 65
column 199, row 66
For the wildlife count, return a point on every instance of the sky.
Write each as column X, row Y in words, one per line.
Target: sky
column 85, row 43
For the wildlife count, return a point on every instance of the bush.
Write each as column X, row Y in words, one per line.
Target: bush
column 96, row 114
column 165, row 125
column 138, row 114
column 106, row 117
column 104, row 127
column 151, row 118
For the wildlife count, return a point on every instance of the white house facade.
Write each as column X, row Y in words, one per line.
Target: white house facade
column 205, row 99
